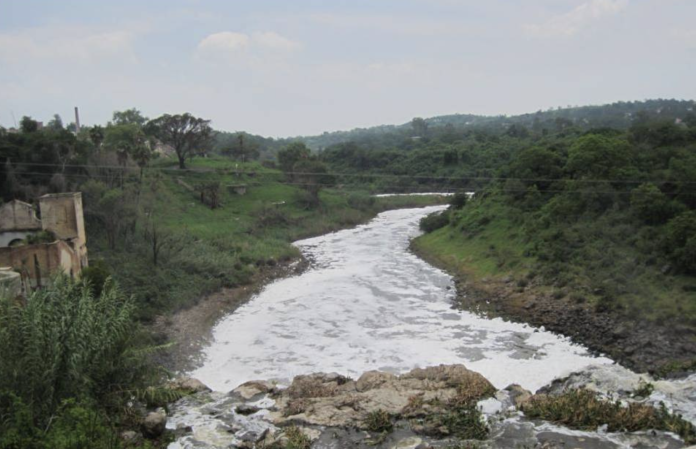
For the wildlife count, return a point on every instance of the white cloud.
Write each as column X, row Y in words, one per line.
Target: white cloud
column 569, row 24
column 228, row 43
column 225, row 41
column 275, row 41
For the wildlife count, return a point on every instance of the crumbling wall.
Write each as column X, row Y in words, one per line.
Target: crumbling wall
column 36, row 264
column 18, row 216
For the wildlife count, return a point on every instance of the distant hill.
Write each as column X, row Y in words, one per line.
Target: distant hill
column 619, row 115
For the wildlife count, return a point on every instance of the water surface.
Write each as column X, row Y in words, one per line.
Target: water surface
column 368, row 303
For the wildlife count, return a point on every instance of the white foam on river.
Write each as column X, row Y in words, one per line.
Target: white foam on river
column 368, row 303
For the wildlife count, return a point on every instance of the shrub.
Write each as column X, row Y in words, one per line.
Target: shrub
column 379, row 421
column 297, row 439
column 271, row 216
column 464, row 421
column 95, row 275
column 459, row 200
column 434, row 221
column 651, row 205
column 66, row 343
column 585, row 410
column 361, row 201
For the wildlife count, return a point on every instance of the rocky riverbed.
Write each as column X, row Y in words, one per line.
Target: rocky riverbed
column 446, row 406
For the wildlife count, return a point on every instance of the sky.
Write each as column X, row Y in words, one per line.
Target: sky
column 298, row 67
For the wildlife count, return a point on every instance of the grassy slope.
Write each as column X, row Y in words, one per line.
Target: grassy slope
column 497, row 250
column 231, row 245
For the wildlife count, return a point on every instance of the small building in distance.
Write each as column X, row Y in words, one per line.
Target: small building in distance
column 39, row 248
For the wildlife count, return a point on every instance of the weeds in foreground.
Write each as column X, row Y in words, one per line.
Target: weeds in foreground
column 296, row 439
column 379, row 421
column 463, row 421
column 644, row 389
column 585, row 410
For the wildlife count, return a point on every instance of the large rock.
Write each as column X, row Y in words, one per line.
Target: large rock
column 518, row 395
column 189, row 385
column 154, row 423
column 250, row 390
column 336, row 401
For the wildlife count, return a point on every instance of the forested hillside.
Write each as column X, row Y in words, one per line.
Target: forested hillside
column 620, row 115
column 426, row 157
column 600, row 220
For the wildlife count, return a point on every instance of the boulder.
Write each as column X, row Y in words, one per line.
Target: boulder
column 519, row 395
column 328, row 400
column 374, row 379
column 189, row 385
column 154, row 423
column 250, row 390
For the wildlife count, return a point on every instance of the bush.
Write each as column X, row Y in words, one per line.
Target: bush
column 680, row 241
column 651, row 205
column 585, row 410
column 434, row 221
column 379, row 421
column 459, row 200
column 361, row 201
column 64, row 344
column 96, row 275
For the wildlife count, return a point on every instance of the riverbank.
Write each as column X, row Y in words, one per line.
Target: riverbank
column 639, row 345
column 191, row 329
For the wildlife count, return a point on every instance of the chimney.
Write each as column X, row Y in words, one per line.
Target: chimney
column 77, row 120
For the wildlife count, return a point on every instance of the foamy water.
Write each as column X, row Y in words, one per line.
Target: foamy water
column 368, row 303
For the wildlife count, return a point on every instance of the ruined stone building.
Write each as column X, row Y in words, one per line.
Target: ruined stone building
column 39, row 248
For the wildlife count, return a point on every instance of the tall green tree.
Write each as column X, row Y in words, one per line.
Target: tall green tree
column 289, row 156
column 129, row 117
column 188, row 135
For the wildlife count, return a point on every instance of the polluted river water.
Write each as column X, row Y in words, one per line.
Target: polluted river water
column 368, row 303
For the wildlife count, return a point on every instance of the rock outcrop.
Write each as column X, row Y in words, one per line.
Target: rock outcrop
column 442, row 406
column 336, row 401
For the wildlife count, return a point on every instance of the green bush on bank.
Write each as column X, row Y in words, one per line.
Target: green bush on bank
column 70, row 362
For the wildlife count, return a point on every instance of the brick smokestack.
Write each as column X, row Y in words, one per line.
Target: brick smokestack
column 77, row 120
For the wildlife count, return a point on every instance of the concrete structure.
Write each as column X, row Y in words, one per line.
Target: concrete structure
column 61, row 217
column 17, row 221
column 10, row 282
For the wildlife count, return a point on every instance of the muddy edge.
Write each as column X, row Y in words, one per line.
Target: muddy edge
column 638, row 345
column 191, row 330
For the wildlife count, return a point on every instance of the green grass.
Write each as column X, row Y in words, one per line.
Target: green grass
column 598, row 259
column 495, row 250
column 227, row 246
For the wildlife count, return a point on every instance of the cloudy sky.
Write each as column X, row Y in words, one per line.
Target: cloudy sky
column 285, row 68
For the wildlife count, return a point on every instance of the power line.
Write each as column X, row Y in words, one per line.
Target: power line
column 428, row 188
column 365, row 175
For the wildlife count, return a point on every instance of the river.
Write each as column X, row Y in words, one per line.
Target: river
column 366, row 303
